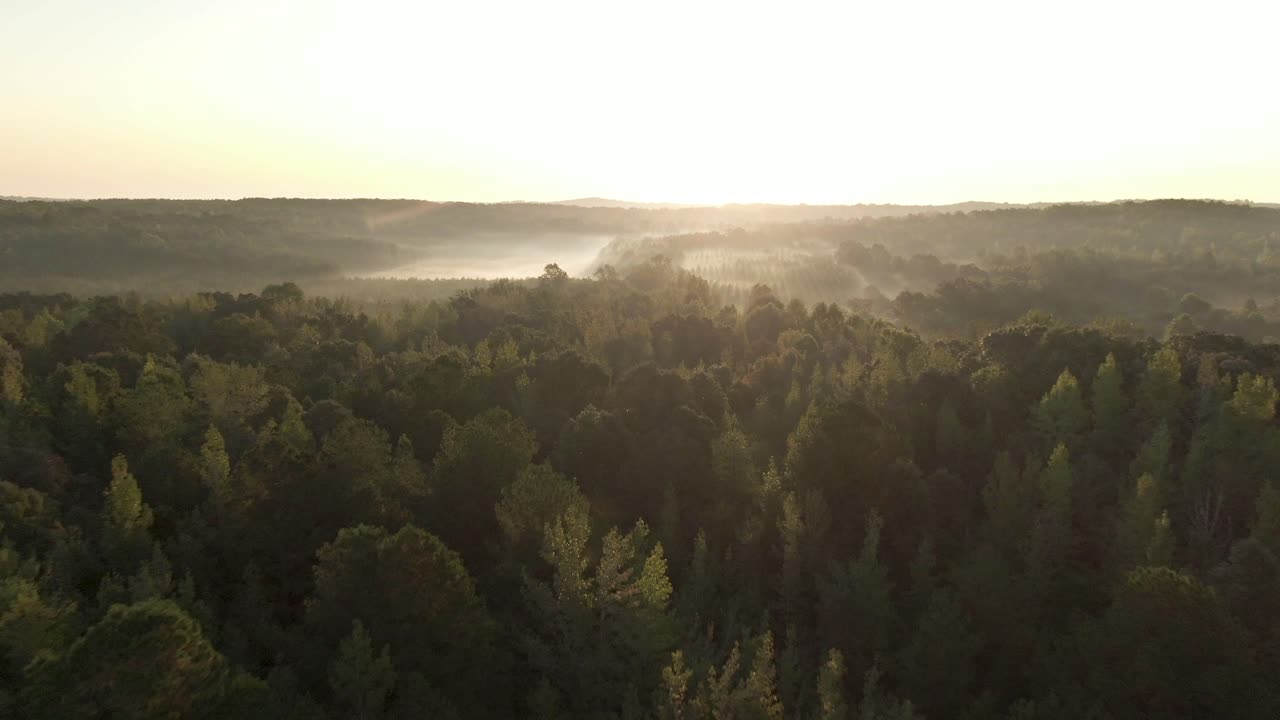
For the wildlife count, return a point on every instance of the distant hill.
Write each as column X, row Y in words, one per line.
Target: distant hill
column 599, row 202
column 180, row 245
column 853, row 209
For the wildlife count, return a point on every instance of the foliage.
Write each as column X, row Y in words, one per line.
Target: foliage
column 618, row 498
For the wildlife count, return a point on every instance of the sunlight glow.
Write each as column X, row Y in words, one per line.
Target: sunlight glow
column 841, row 102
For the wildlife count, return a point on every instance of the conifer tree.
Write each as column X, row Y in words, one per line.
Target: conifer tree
column 1142, row 536
column 760, row 687
column 1061, row 417
column 1110, row 410
column 360, row 680
column 1010, row 501
column 126, row 519
column 1266, row 524
column 1050, row 539
column 673, row 699
column 855, row 609
column 1160, row 393
column 831, row 701
column 215, row 467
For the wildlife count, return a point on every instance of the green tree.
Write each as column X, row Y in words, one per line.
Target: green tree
column 1061, row 417
column 673, row 701
column 1110, row 410
column 126, row 519
column 831, row 700
column 1183, row 324
column 1009, row 499
column 537, row 498
column 81, row 417
column 148, row 660
column 1193, row 304
column 1172, row 650
column 476, row 461
column 32, row 624
column 1143, row 536
column 153, row 413
column 413, row 594
column 938, row 664
column 1052, row 539
column 594, row 634
column 1153, row 456
column 1266, row 524
column 12, row 379
column 360, row 680
column 1160, row 392
column 215, row 467
column 856, row 612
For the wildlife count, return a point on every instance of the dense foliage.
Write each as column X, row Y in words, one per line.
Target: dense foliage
column 621, row 497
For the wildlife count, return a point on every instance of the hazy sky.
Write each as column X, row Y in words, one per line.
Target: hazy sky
column 887, row 101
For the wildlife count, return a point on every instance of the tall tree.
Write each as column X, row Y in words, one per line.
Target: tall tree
column 360, row 680
column 148, row 660
column 126, row 519
column 1160, row 392
column 1061, row 417
column 413, row 594
column 1110, row 410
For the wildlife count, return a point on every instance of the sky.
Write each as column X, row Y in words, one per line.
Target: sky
column 900, row 101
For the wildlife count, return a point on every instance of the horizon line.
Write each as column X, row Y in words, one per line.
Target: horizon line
column 635, row 204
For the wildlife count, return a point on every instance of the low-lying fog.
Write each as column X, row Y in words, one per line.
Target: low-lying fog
column 491, row 257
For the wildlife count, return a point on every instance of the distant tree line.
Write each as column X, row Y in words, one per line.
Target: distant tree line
column 168, row 247
column 1162, row 266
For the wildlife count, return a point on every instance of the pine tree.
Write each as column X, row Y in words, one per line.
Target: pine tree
column 939, row 662
column 1266, row 525
column 1159, row 551
column 1153, row 456
column 876, row 704
column 923, row 580
column 718, row 696
column 1051, row 535
column 1061, row 417
column 126, row 521
column 673, row 701
column 293, row 430
column 831, row 702
column 1160, row 393
column 539, row 497
column 1009, row 500
column 215, row 467
column 154, row 579
column 361, row 681
column 406, row 492
column 760, row 689
column 147, row 660
column 949, row 434
column 1140, row 526
column 1184, row 324
column 78, row 424
column 802, row 530
column 1110, row 410
column 855, row 608
column 669, row 528
column 735, row 475
column 12, row 380
column 594, row 633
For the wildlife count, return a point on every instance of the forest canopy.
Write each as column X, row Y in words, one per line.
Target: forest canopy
column 1040, row 481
